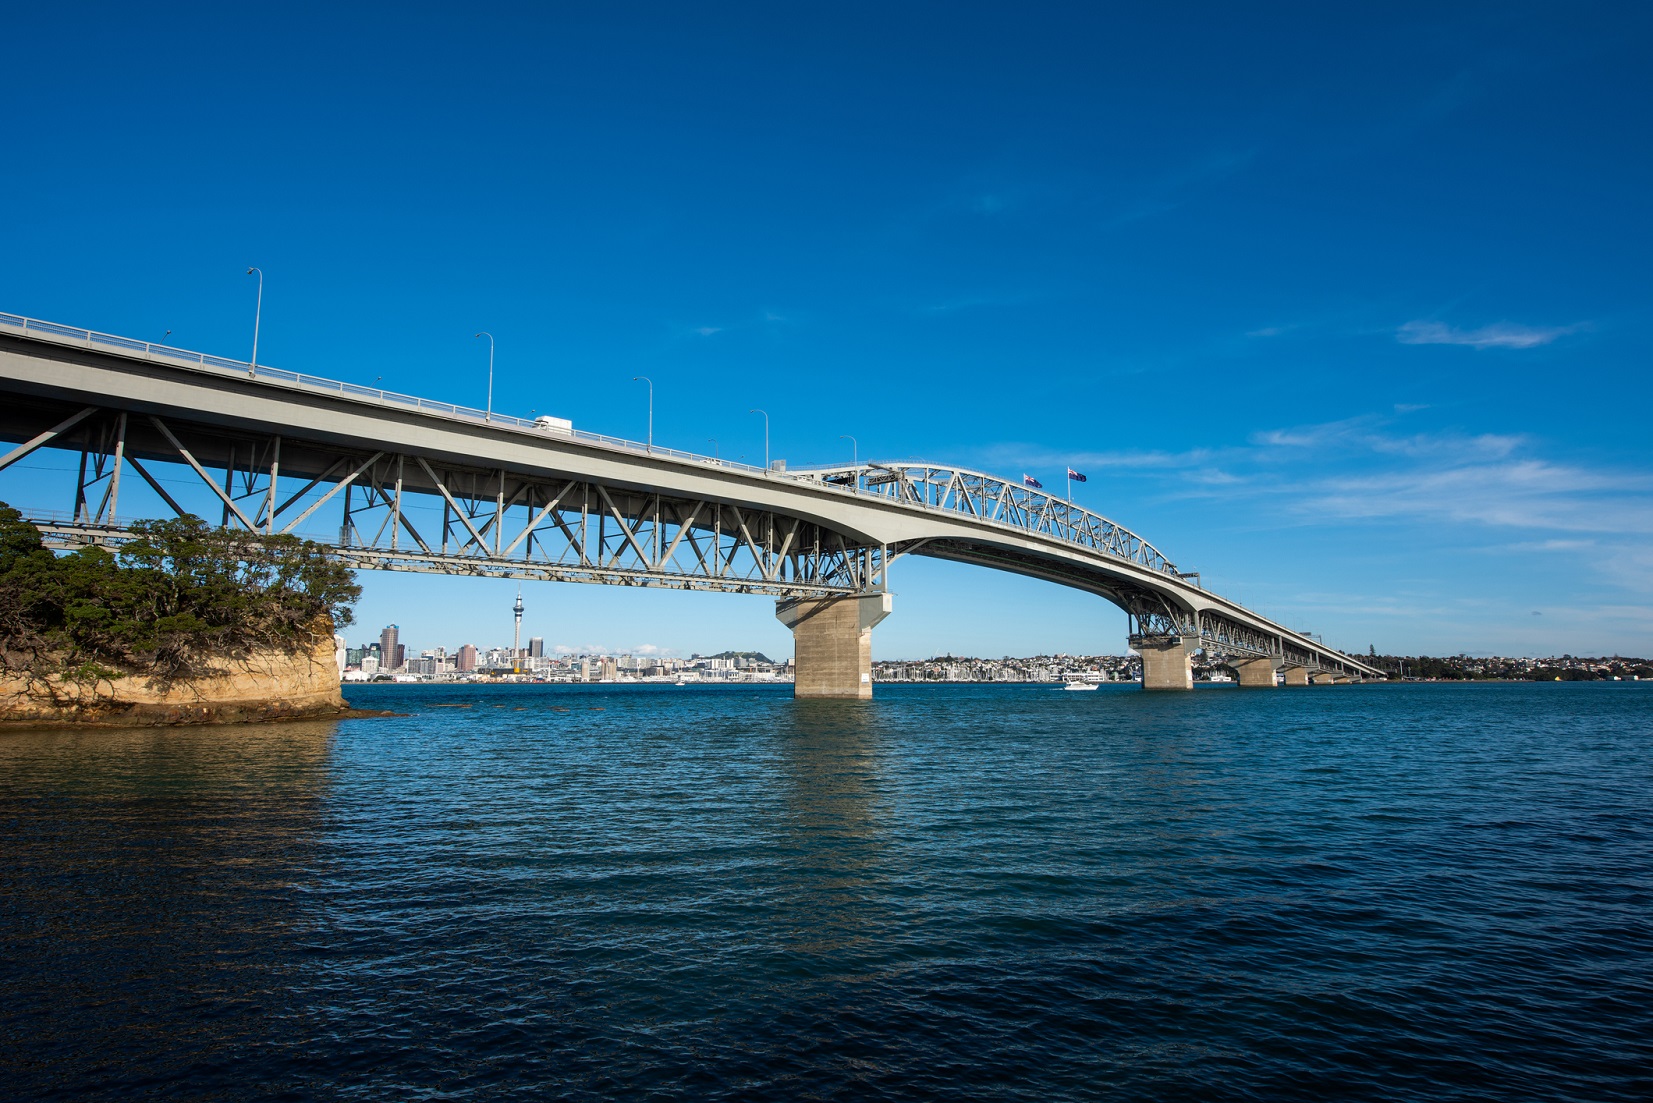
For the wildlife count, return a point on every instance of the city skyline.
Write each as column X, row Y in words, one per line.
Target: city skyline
column 1349, row 315
column 471, row 656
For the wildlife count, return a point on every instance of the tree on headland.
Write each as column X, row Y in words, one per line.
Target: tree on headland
column 170, row 603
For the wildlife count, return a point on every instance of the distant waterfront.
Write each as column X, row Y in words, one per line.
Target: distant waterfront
column 440, row 668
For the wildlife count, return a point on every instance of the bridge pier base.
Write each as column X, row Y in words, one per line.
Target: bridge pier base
column 1257, row 673
column 1165, row 662
column 832, row 643
column 1324, row 678
column 1297, row 676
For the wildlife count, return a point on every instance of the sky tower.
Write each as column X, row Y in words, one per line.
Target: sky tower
column 516, row 638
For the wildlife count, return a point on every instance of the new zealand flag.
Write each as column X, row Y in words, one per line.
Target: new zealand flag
column 1029, row 480
column 1075, row 476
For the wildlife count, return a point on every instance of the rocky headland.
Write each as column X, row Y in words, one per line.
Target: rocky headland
column 180, row 624
column 272, row 684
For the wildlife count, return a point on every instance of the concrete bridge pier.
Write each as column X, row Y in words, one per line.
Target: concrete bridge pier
column 1257, row 673
column 832, row 643
column 1325, row 678
column 1166, row 661
column 1297, row 676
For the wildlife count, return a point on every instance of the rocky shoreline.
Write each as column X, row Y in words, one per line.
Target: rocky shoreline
column 301, row 684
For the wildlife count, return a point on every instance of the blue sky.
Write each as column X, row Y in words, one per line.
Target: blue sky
column 1346, row 306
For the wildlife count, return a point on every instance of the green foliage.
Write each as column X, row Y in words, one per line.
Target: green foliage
column 179, row 595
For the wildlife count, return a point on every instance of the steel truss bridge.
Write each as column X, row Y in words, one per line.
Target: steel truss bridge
column 398, row 482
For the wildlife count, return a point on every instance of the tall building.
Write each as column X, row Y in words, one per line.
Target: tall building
column 467, row 659
column 388, row 644
column 536, row 647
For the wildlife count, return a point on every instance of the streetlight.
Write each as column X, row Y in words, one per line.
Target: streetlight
column 489, row 415
column 713, row 442
column 765, row 436
column 258, row 313
column 854, row 448
column 650, row 382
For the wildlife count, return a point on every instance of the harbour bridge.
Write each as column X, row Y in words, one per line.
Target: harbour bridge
column 404, row 483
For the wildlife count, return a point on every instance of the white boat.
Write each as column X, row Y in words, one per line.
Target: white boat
column 1080, row 685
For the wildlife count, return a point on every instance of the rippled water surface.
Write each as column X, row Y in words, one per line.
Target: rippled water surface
column 1365, row 892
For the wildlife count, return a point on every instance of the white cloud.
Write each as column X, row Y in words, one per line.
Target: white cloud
column 1015, row 455
column 1353, row 436
column 1361, row 470
column 1519, row 493
column 707, row 331
column 1499, row 335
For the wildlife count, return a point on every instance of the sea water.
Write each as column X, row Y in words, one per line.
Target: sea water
column 1428, row 892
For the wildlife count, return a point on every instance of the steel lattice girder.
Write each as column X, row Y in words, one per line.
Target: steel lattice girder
column 991, row 499
column 493, row 522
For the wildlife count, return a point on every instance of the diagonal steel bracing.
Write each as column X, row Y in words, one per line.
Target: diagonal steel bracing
column 477, row 521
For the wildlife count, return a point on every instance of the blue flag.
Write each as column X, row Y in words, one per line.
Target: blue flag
column 1029, row 480
column 1075, row 476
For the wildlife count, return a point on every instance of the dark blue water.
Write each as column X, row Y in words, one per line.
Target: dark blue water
column 1374, row 892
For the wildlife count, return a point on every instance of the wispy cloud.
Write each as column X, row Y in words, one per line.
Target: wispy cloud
column 1518, row 493
column 1018, row 455
column 1352, row 436
column 1499, row 335
column 1364, row 470
column 707, row 331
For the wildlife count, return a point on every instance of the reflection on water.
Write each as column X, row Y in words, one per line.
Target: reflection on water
column 1407, row 892
column 830, row 826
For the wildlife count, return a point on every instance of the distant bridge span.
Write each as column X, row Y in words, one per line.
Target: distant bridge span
column 397, row 482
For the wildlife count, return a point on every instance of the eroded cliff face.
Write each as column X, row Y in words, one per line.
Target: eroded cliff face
column 271, row 685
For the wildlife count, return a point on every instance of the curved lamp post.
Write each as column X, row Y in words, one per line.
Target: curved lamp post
column 854, row 448
column 258, row 313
